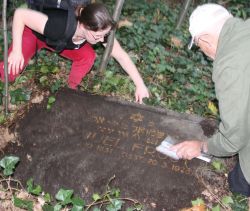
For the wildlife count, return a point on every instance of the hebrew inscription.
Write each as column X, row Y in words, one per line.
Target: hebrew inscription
column 134, row 138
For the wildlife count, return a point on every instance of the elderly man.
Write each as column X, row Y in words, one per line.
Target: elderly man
column 226, row 40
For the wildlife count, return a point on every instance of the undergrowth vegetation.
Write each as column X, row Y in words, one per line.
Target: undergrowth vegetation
column 32, row 197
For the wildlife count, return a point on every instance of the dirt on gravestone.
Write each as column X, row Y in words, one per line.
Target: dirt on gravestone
column 85, row 139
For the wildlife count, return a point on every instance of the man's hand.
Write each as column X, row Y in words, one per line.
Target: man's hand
column 140, row 93
column 188, row 149
column 15, row 62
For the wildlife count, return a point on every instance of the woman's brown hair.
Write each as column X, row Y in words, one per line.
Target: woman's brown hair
column 95, row 17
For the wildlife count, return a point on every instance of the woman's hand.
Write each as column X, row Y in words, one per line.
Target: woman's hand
column 15, row 62
column 140, row 93
column 23, row 17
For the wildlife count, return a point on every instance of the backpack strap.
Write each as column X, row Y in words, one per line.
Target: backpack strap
column 40, row 4
column 59, row 45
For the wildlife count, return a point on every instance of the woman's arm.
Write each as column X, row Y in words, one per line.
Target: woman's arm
column 23, row 17
column 127, row 64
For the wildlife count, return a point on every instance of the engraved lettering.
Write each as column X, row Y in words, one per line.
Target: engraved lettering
column 105, row 130
column 111, row 142
column 176, row 168
column 161, row 156
column 149, row 151
column 137, row 147
column 124, row 134
column 139, row 157
column 152, row 162
column 104, row 149
column 91, row 135
column 99, row 119
column 153, row 141
column 138, row 131
column 136, row 117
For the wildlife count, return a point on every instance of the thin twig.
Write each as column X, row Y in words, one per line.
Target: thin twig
column 108, row 201
column 110, row 180
column 215, row 197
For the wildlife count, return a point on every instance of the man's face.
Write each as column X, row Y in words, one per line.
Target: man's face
column 204, row 43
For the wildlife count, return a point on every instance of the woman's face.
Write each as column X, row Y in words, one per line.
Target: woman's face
column 94, row 37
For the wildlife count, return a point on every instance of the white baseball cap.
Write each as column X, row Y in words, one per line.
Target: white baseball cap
column 204, row 17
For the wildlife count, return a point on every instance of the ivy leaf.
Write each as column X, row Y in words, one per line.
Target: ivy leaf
column 43, row 80
column 115, row 192
column 2, row 117
column 226, row 200
column 24, row 204
column 44, row 69
column 19, row 95
column 218, row 166
column 47, row 197
column 34, row 190
column 78, row 204
column 20, row 79
column 64, row 196
column 217, row 208
column 47, row 207
column 198, row 201
column 55, row 69
column 115, row 205
column 9, row 163
column 55, row 86
column 57, row 207
column 77, row 208
column 96, row 197
column 51, row 101
column 138, row 207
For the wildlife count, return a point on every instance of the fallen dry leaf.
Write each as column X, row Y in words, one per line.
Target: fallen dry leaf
column 200, row 207
column 153, row 204
column 37, row 207
column 5, row 137
column 175, row 41
column 29, row 158
column 37, row 99
column 39, row 204
column 23, row 195
column 124, row 23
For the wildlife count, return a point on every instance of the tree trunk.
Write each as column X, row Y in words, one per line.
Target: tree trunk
column 183, row 13
column 6, row 91
column 109, row 47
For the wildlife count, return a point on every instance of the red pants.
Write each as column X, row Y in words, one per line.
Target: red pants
column 82, row 58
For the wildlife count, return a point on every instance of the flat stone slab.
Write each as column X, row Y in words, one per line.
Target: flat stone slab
column 84, row 140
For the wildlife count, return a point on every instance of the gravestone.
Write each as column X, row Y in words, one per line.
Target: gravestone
column 84, row 140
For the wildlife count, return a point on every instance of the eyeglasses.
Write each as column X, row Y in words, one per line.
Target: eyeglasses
column 98, row 36
column 197, row 40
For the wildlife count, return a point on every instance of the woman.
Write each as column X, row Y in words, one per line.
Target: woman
column 31, row 29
